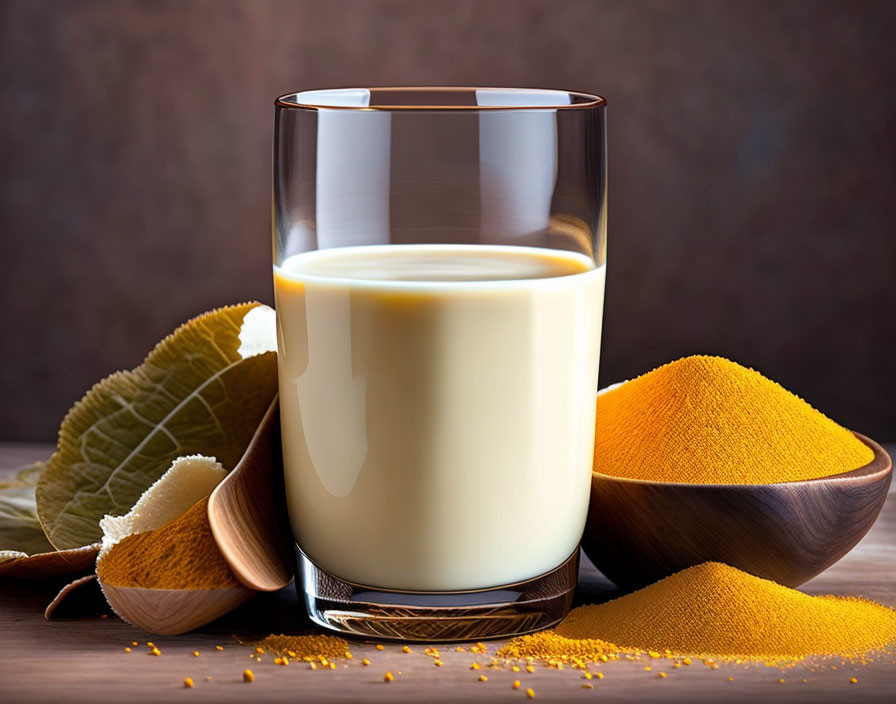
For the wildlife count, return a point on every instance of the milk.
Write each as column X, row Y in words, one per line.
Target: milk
column 437, row 408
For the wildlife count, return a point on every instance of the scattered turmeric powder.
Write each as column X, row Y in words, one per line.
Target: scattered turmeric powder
column 181, row 555
column 551, row 645
column 713, row 609
column 309, row 647
column 708, row 420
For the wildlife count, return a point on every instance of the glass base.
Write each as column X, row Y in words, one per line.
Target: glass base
column 497, row 612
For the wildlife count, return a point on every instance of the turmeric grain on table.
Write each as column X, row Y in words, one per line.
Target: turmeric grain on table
column 320, row 648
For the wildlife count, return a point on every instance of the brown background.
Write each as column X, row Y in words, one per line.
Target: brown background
column 752, row 172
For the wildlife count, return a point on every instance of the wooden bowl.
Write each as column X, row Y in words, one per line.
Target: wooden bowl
column 173, row 611
column 640, row 531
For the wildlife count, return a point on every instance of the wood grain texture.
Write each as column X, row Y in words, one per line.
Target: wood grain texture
column 641, row 531
column 83, row 659
column 247, row 512
column 173, row 611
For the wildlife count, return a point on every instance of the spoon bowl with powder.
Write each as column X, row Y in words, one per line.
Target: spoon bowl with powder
column 173, row 579
column 703, row 460
column 212, row 558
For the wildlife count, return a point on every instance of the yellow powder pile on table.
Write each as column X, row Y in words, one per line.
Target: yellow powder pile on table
column 707, row 420
column 550, row 645
column 311, row 647
column 180, row 555
column 716, row 610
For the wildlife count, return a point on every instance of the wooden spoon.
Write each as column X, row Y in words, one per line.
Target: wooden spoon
column 173, row 611
column 247, row 512
column 641, row 531
column 248, row 520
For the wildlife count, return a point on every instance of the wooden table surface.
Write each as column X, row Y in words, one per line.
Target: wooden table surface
column 82, row 659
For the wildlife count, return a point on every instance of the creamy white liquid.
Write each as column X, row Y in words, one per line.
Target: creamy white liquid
column 437, row 407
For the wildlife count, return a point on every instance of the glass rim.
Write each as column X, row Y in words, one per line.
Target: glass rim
column 577, row 100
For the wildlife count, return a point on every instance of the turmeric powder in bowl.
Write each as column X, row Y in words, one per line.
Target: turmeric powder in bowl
column 708, row 420
column 180, row 555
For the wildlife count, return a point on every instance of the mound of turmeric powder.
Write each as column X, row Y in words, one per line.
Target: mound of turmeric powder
column 708, row 420
column 716, row 610
column 551, row 646
column 307, row 647
column 180, row 555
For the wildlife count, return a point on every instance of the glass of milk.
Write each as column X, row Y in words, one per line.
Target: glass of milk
column 439, row 259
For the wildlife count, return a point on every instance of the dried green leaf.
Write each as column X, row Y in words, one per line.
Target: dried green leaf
column 24, row 548
column 194, row 394
column 21, row 534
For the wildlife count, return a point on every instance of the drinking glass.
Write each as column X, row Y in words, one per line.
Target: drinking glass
column 439, row 258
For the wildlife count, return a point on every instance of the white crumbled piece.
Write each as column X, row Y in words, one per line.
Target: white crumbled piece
column 258, row 333
column 189, row 479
